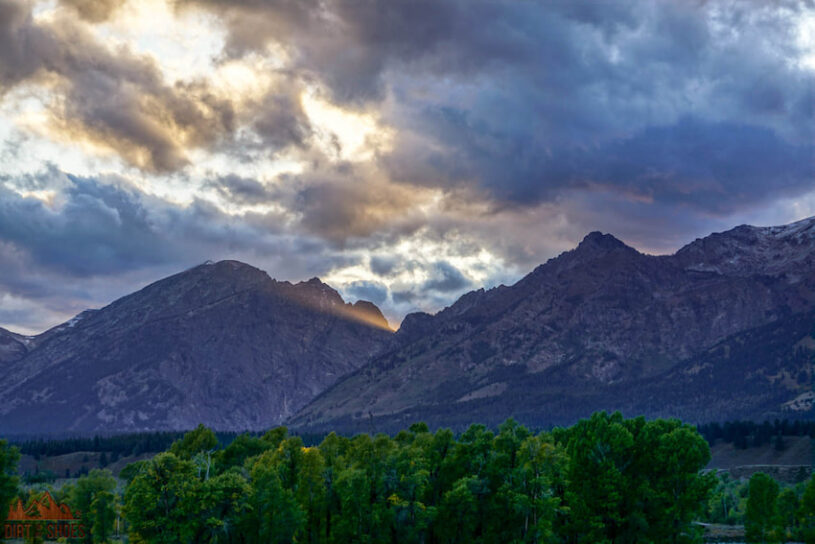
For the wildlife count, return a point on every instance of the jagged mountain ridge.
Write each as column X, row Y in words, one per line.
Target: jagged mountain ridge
column 221, row 344
column 719, row 330
column 603, row 327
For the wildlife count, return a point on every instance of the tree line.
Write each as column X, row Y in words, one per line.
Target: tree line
column 741, row 433
column 744, row 434
column 605, row 479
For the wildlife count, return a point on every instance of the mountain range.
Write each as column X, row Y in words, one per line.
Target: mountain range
column 721, row 329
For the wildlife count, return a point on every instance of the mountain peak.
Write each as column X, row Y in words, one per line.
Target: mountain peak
column 597, row 239
column 231, row 265
column 229, row 270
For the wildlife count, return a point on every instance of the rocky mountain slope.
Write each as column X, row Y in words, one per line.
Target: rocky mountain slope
column 721, row 329
column 12, row 346
column 220, row 344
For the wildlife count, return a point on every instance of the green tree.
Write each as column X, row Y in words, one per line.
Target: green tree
column 311, row 493
column 787, row 507
column 239, row 450
column 82, row 496
column 600, row 453
column 274, row 517
column 9, row 482
column 363, row 490
column 199, row 440
column 606, row 479
column 274, row 437
column 456, row 522
column 132, row 470
column 160, row 500
column 806, row 512
column 669, row 458
column 632, row 480
column 760, row 519
column 102, row 515
column 541, row 466
column 332, row 450
column 407, row 482
column 221, row 505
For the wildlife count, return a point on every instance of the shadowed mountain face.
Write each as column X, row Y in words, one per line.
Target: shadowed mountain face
column 719, row 330
column 220, row 344
column 12, row 346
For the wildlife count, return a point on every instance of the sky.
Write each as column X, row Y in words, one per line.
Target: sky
column 405, row 152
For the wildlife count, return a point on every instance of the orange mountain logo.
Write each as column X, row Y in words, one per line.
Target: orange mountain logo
column 44, row 517
column 43, row 509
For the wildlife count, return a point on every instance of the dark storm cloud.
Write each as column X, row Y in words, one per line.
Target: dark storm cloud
column 404, row 297
column 98, row 228
column 715, row 167
column 710, row 166
column 241, row 190
column 280, row 121
column 522, row 101
column 382, row 266
column 446, row 278
column 350, row 45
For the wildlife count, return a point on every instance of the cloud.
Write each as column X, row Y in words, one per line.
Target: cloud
column 94, row 11
column 382, row 266
column 712, row 167
column 280, row 121
column 367, row 290
column 120, row 100
column 404, row 297
column 114, row 99
column 543, row 98
column 97, row 229
column 104, row 228
column 241, row 190
column 490, row 136
column 343, row 201
column 446, row 278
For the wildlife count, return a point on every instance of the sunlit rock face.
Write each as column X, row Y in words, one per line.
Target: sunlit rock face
column 221, row 344
column 721, row 329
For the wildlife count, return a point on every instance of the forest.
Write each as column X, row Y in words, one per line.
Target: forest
column 605, row 479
